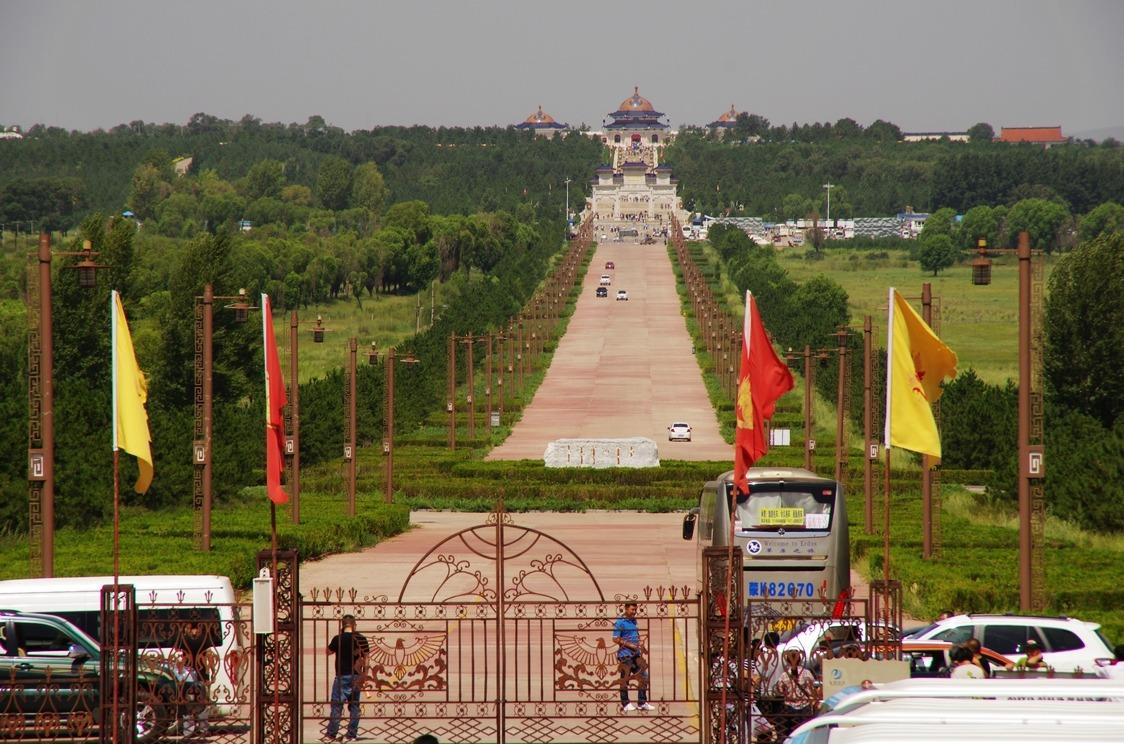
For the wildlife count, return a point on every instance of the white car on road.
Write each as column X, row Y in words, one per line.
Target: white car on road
column 679, row 431
column 1066, row 642
column 606, row 280
column 622, row 294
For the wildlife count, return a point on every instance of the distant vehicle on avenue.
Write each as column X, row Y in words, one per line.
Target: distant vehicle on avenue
column 680, row 431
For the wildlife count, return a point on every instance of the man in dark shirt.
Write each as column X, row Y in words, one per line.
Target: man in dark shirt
column 350, row 649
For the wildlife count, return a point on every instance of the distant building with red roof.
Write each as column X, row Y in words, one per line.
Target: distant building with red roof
column 1045, row 136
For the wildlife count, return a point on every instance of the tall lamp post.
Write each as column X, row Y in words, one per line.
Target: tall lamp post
column 41, row 398
column 293, row 441
column 204, row 392
column 350, row 434
column 388, row 443
column 567, row 208
column 1032, row 452
column 828, row 187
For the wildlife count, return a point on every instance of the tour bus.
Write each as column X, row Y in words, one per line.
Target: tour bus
column 791, row 532
column 165, row 605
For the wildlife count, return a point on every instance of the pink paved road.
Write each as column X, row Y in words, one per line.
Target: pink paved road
column 623, row 369
column 624, row 550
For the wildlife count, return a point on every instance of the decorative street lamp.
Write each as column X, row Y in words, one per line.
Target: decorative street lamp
column 388, row 442
column 292, row 442
column 204, row 383
column 1032, row 454
column 41, row 397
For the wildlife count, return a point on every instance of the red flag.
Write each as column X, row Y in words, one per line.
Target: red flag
column 762, row 379
column 275, row 401
column 841, row 603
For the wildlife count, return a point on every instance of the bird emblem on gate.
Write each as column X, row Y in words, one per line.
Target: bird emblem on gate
column 401, row 658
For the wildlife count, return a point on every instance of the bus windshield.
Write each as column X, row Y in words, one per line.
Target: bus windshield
column 788, row 510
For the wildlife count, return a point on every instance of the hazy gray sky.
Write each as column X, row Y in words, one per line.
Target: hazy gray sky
column 936, row 65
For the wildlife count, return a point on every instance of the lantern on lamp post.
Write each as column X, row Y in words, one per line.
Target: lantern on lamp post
column 41, row 397
column 204, row 391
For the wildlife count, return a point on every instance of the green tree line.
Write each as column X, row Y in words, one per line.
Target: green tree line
column 782, row 176
column 53, row 177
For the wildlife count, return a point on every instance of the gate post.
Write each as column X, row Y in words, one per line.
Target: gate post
column 886, row 607
column 278, row 655
column 720, row 633
column 118, row 662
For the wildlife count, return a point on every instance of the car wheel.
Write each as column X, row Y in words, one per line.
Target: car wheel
column 153, row 717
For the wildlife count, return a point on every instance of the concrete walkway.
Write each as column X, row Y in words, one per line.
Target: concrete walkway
column 623, row 369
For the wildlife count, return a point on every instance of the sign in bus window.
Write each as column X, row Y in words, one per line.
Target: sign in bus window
column 782, row 515
column 817, row 521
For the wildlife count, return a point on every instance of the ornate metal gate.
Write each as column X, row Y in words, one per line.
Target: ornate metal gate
column 502, row 633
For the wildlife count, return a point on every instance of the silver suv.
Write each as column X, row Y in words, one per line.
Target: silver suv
column 1066, row 642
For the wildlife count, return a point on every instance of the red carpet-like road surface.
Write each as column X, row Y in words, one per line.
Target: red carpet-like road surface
column 623, row 369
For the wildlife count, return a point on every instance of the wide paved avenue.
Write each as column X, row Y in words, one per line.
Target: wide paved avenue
column 623, row 368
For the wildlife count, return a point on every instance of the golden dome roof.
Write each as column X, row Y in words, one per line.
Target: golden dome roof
column 730, row 115
column 539, row 117
column 636, row 102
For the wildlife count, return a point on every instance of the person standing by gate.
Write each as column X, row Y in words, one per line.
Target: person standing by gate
column 350, row 649
column 630, row 659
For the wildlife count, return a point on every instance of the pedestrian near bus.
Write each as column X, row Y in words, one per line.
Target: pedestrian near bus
column 630, row 659
column 350, row 649
column 798, row 688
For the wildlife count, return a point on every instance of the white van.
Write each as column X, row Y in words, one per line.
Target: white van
column 165, row 605
column 933, row 707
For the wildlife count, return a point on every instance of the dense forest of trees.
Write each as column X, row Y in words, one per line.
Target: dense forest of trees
column 58, row 176
column 782, row 176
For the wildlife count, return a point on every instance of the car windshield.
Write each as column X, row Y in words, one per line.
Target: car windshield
column 789, row 510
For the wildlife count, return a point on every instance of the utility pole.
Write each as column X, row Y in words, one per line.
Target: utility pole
column 809, row 443
column 349, row 446
column 871, row 453
column 926, row 461
column 567, row 208
column 841, row 405
column 829, row 187
column 294, row 423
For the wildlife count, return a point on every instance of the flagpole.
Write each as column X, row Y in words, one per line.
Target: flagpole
column 886, row 519
column 116, row 583
column 116, row 518
column 729, row 610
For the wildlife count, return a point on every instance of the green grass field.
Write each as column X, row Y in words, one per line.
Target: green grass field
column 385, row 319
column 979, row 323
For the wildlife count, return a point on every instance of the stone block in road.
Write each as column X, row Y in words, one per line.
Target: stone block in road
column 627, row 452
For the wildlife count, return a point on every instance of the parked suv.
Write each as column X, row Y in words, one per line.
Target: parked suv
column 1066, row 642
column 50, row 671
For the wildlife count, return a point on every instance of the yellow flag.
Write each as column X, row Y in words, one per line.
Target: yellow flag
column 917, row 361
column 130, row 391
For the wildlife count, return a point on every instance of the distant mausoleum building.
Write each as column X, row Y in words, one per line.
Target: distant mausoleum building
column 726, row 121
column 543, row 125
column 636, row 121
column 1045, row 136
column 635, row 185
